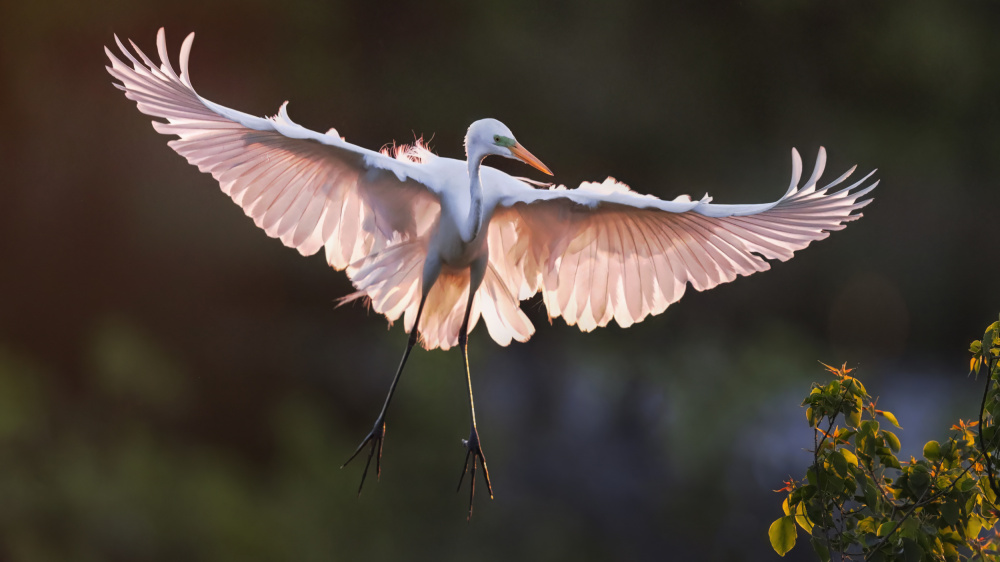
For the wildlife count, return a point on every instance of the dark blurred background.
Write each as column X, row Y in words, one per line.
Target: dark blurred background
column 174, row 385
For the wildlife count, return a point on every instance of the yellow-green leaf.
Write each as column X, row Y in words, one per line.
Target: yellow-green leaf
column 932, row 451
column 891, row 417
column 866, row 525
column 851, row 457
column 855, row 385
column 885, row 528
column 988, row 490
column 990, row 334
column 854, row 419
column 891, row 440
column 833, row 387
column 802, row 518
column 782, row 534
column 974, row 527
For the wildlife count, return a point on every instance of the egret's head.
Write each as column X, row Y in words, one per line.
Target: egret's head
column 489, row 136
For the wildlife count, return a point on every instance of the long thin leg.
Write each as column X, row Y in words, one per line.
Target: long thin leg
column 473, row 448
column 377, row 434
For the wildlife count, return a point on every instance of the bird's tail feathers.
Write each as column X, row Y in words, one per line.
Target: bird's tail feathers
column 391, row 280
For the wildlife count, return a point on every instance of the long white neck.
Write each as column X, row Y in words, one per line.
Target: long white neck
column 475, row 221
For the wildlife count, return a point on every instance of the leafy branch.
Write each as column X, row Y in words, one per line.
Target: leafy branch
column 860, row 501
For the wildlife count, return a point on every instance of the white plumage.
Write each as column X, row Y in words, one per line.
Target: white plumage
column 413, row 224
column 597, row 253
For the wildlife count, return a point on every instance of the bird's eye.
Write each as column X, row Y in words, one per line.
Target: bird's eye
column 496, row 138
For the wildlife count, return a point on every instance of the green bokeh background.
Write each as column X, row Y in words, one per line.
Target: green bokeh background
column 174, row 385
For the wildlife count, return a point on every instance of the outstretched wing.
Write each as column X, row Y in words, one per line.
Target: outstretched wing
column 306, row 188
column 603, row 251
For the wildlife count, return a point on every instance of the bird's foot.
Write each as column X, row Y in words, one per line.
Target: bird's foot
column 374, row 439
column 474, row 452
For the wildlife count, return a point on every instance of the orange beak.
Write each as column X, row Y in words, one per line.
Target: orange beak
column 528, row 158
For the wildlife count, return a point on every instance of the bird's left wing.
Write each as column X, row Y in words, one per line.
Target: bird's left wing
column 309, row 189
column 603, row 251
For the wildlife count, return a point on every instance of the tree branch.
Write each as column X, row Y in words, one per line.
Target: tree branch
column 909, row 512
column 982, row 409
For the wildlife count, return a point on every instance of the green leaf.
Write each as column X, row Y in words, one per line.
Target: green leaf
column 811, row 476
column 918, row 481
column 817, row 512
column 830, row 483
column 849, row 456
column 867, row 525
column 890, row 461
column 932, row 451
column 966, row 484
column 869, row 426
column 871, row 495
column 910, row 528
column 821, row 549
column 928, row 541
column 803, row 519
column 912, row 551
column 988, row 433
column 891, row 440
column 988, row 491
column 885, row 528
column 855, row 385
column 782, row 534
column 951, row 536
column 950, row 513
column 974, row 527
column 853, row 419
column 889, row 416
column 950, row 552
column 839, row 462
column 976, row 346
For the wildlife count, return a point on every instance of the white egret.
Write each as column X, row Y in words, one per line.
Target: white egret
column 444, row 242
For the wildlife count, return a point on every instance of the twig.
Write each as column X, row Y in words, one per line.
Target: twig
column 829, row 427
column 922, row 501
column 878, row 485
column 819, row 445
column 982, row 410
column 909, row 512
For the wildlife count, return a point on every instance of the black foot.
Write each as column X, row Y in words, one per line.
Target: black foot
column 475, row 452
column 375, row 438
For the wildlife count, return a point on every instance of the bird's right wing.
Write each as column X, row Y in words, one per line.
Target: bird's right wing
column 603, row 252
column 309, row 189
